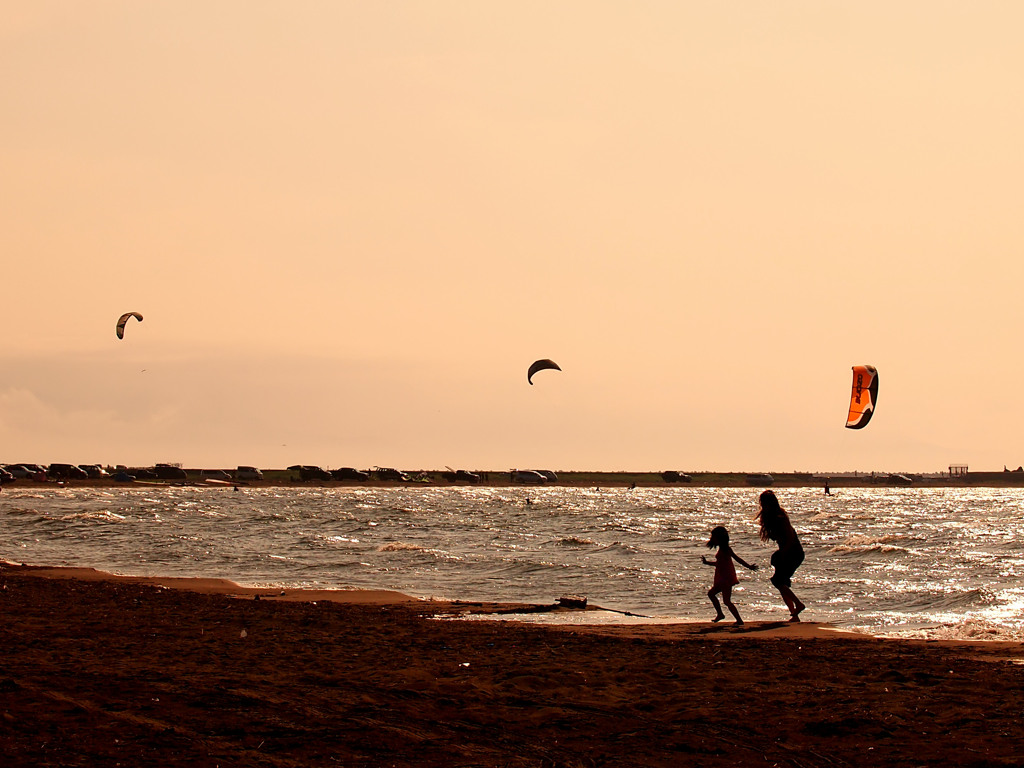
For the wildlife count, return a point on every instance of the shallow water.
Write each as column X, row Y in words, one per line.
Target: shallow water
column 934, row 562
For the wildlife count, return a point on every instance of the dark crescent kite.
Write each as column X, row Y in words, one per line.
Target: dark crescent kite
column 863, row 397
column 541, row 365
column 124, row 319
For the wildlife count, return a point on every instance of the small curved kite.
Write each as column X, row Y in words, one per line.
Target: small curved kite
column 124, row 319
column 863, row 397
column 541, row 365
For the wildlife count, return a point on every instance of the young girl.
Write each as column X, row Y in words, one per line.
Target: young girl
column 725, row 573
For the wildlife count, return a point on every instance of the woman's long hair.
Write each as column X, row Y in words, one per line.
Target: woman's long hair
column 772, row 517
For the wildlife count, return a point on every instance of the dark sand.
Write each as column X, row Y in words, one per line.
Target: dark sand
column 99, row 671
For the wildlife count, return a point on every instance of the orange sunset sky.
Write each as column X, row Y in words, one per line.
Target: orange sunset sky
column 351, row 227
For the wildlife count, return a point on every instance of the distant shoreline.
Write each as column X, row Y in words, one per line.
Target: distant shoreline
column 434, row 478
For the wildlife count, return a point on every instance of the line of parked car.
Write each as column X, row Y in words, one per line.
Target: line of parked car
column 63, row 472
column 309, row 472
column 39, row 473
column 306, row 473
column 313, row 473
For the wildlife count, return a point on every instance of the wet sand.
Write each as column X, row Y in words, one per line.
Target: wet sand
column 103, row 671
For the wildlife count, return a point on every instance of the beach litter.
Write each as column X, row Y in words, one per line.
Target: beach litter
column 573, row 601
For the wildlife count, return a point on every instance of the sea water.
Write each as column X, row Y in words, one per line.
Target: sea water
column 918, row 562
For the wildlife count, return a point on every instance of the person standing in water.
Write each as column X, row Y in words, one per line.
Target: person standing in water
column 725, row 573
column 775, row 526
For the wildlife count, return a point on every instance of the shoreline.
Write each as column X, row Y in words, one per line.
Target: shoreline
column 637, row 626
column 597, row 480
column 101, row 670
column 440, row 608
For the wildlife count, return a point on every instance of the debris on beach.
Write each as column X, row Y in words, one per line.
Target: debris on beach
column 573, row 601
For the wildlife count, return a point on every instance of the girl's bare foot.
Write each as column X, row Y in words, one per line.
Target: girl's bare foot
column 719, row 617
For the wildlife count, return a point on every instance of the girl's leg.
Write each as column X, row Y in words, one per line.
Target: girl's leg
column 727, row 599
column 713, row 594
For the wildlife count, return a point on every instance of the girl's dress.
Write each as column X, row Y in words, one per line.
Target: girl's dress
column 725, row 570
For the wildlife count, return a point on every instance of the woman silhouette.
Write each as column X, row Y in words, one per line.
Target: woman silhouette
column 775, row 526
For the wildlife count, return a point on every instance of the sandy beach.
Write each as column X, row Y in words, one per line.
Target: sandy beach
column 103, row 671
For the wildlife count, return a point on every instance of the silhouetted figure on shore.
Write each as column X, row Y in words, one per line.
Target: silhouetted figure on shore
column 725, row 573
column 775, row 526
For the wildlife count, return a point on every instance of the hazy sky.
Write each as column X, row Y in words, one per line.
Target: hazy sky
column 351, row 227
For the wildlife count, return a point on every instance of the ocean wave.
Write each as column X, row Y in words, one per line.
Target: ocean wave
column 341, row 540
column 25, row 511
column 867, row 540
column 930, row 601
column 103, row 516
column 971, row 629
column 270, row 517
column 860, row 549
column 574, row 541
column 618, row 548
column 400, row 546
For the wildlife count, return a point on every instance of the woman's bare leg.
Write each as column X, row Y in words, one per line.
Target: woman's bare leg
column 792, row 602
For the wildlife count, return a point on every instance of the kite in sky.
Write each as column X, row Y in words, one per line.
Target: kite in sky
column 863, row 397
column 541, row 365
column 124, row 319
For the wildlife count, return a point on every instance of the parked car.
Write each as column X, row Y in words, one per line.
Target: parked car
column 122, row 476
column 248, row 473
column 461, row 476
column 94, row 471
column 19, row 471
column 39, row 473
column 528, row 477
column 899, row 480
column 390, row 473
column 350, row 473
column 309, row 472
column 6, row 477
column 215, row 474
column 169, row 472
column 66, row 472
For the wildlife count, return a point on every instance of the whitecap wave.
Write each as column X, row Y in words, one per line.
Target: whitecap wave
column 399, row 546
column 574, row 541
column 106, row 517
column 860, row 549
column 971, row 629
